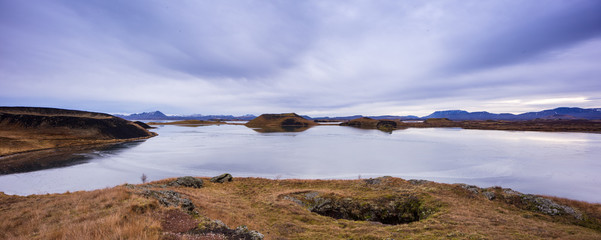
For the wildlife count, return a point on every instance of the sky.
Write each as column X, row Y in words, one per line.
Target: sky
column 319, row 58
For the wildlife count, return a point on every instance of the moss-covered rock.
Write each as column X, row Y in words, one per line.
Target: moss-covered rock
column 187, row 181
column 396, row 209
column 226, row 177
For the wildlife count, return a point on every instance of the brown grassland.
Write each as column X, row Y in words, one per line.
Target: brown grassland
column 262, row 205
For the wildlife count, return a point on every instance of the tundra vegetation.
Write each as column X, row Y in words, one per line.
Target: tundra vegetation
column 255, row 208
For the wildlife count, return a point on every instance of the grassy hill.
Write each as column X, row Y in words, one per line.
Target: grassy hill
column 26, row 129
column 380, row 208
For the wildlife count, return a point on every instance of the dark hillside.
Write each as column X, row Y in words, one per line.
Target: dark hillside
column 25, row 129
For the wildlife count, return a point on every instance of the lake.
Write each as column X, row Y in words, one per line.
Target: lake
column 559, row 164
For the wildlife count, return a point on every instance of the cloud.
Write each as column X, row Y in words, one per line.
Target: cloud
column 322, row 57
column 509, row 32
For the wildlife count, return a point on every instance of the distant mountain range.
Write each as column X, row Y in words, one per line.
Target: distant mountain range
column 158, row 115
column 557, row 113
column 409, row 117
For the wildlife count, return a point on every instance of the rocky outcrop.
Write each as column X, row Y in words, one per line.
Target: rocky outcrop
column 376, row 181
column 169, row 198
column 219, row 228
column 186, row 224
column 397, row 209
column 226, row 177
column 524, row 201
column 187, row 181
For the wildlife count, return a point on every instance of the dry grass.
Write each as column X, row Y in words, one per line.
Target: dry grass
column 117, row 213
column 100, row 214
column 258, row 204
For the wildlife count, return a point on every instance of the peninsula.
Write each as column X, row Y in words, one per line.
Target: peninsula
column 25, row 132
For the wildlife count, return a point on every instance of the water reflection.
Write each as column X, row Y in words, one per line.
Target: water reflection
column 560, row 164
column 61, row 157
column 272, row 129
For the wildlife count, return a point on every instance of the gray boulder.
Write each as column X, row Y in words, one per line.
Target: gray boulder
column 187, row 182
column 226, row 177
column 489, row 195
column 548, row 206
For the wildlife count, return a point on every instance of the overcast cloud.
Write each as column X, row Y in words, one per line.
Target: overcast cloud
column 311, row 57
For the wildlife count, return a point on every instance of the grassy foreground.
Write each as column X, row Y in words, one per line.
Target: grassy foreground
column 297, row 209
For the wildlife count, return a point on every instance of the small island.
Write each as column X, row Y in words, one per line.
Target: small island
column 284, row 122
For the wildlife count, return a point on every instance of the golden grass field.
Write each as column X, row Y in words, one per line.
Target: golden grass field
column 261, row 204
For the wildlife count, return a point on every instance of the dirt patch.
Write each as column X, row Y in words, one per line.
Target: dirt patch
column 177, row 221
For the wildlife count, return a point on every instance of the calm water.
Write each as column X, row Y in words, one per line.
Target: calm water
column 560, row 164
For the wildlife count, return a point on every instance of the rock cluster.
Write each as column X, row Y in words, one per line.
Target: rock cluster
column 524, row 201
column 376, row 181
column 418, row 181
